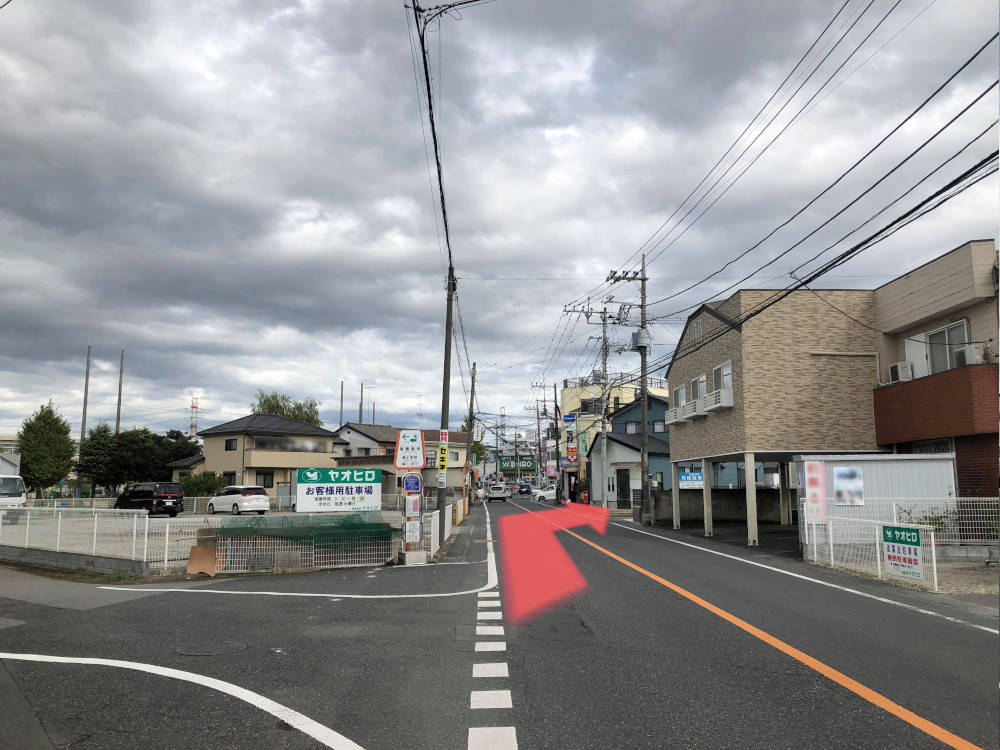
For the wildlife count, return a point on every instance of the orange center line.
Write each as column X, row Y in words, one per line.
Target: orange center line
column 872, row 696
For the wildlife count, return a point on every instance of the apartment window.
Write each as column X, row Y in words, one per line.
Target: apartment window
column 698, row 387
column 230, row 444
column 722, row 377
column 680, row 396
column 696, row 331
column 659, row 427
column 229, row 477
column 942, row 345
column 265, row 478
column 632, row 428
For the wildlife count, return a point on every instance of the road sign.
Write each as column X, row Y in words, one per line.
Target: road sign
column 412, row 482
column 410, row 449
column 338, row 490
column 477, row 433
column 690, row 480
column 902, row 553
column 569, row 417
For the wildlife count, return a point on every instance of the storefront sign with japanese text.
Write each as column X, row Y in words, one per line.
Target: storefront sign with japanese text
column 338, row 490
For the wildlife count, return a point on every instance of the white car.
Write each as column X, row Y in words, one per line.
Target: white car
column 548, row 492
column 497, row 492
column 12, row 494
column 240, row 499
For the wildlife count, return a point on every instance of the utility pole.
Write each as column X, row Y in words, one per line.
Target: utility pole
column 86, row 390
column 373, row 412
column 472, row 417
column 121, row 375
column 341, row 422
column 538, row 432
column 604, row 408
column 361, row 405
column 641, row 342
column 555, row 416
column 517, row 462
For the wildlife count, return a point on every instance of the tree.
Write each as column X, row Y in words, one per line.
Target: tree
column 46, row 448
column 283, row 405
column 99, row 459
column 202, row 485
column 139, row 455
column 477, row 446
column 173, row 446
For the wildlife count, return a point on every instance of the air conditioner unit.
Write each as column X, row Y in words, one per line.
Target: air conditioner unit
column 969, row 355
column 900, row 371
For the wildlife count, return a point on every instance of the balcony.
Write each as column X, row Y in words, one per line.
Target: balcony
column 718, row 400
column 962, row 401
column 693, row 409
column 672, row 416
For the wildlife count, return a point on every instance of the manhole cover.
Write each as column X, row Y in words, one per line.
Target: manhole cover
column 212, row 649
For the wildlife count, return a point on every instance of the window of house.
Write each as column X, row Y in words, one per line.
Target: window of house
column 722, row 377
column 364, row 451
column 659, row 426
column 453, row 455
column 632, row 428
column 680, row 396
column 696, row 331
column 942, row 345
column 347, row 452
column 229, row 477
column 697, row 387
column 265, row 478
column 230, row 444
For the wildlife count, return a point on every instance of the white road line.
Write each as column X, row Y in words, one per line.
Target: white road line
column 303, row 723
column 845, row 589
column 490, row 669
column 491, row 583
column 488, row 615
column 483, row 603
column 491, row 646
column 488, row 594
column 489, row 629
column 490, row 699
column 492, row 738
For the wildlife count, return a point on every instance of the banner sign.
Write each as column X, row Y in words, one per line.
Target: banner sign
column 412, row 506
column 690, row 480
column 551, row 471
column 338, row 490
column 815, row 492
column 410, row 449
column 412, row 531
column 901, row 552
column 507, row 463
column 848, row 485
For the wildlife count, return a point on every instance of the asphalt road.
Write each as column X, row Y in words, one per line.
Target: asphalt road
column 631, row 663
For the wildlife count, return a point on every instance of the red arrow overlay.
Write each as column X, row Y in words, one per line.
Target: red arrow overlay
column 538, row 575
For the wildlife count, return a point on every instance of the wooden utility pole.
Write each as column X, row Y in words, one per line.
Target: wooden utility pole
column 121, row 375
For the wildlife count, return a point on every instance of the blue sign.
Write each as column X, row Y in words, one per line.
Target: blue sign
column 690, row 480
column 411, row 483
column 569, row 417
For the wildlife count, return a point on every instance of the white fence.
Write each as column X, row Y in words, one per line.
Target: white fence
column 966, row 521
column 860, row 545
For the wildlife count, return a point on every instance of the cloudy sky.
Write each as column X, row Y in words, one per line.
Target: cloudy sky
column 238, row 193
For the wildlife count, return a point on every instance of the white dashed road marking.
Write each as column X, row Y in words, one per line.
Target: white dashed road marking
column 492, row 738
column 491, row 646
column 489, row 594
column 490, row 669
column 489, row 629
column 489, row 615
column 491, row 699
column 489, row 602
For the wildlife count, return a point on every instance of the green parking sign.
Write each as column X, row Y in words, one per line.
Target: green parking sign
column 901, row 535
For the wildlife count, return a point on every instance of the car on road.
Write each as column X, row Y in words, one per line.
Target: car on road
column 156, row 497
column 241, row 498
column 497, row 492
column 547, row 492
column 523, row 488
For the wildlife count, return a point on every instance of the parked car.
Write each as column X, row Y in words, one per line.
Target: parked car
column 238, row 499
column 523, row 488
column 12, row 494
column 497, row 492
column 546, row 493
column 156, row 497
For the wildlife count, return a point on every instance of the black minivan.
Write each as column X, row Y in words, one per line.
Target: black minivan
column 156, row 497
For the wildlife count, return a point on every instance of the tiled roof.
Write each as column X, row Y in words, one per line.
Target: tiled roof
column 265, row 424
column 380, row 433
column 657, row 447
column 186, row 463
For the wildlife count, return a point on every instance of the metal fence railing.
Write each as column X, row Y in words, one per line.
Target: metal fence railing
column 892, row 551
column 955, row 520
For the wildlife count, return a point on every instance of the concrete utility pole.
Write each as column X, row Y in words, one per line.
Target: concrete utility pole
column 472, row 425
column 538, row 428
column 373, row 412
column 641, row 342
column 517, row 462
column 555, row 415
column 86, row 391
column 121, row 375
column 361, row 406
column 341, row 422
column 604, row 407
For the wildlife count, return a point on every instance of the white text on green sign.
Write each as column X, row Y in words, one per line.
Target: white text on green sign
column 340, row 476
column 901, row 535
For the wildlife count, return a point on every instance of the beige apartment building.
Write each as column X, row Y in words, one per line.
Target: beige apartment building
column 581, row 398
column 807, row 374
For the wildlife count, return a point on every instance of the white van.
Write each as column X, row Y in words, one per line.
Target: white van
column 12, row 494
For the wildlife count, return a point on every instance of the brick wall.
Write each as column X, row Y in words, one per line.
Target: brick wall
column 962, row 401
column 976, row 465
